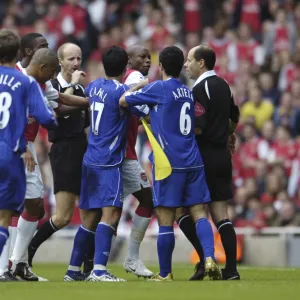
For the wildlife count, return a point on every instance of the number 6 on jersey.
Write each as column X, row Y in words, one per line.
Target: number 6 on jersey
column 185, row 121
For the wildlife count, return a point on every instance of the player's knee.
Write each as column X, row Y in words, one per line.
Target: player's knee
column 111, row 216
column 180, row 211
column 165, row 216
column 62, row 221
column 5, row 218
column 144, row 196
column 218, row 211
column 198, row 211
column 34, row 207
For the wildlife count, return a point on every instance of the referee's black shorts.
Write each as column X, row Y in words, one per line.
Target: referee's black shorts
column 66, row 157
column 218, row 172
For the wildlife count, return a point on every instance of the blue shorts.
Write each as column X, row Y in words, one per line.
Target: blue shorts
column 181, row 189
column 101, row 188
column 12, row 182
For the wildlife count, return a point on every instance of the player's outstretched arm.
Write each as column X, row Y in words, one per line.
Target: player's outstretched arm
column 71, row 100
column 64, row 110
column 137, row 87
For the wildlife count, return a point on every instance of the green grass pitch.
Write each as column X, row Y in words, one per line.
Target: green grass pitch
column 256, row 284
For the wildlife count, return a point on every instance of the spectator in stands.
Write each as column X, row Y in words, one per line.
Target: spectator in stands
column 37, row 10
column 74, row 24
column 280, row 35
column 269, row 90
column 287, row 216
column 289, row 73
column 273, row 187
column 245, row 48
column 262, row 110
column 287, row 115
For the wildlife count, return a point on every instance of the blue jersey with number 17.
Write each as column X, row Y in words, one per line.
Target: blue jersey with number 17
column 172, row 121
column 109, row 122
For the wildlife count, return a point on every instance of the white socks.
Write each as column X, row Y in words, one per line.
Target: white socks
column 138, row 230
column 26, row 230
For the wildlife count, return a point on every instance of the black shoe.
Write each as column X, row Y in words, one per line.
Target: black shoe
column 24, row 272
column 199, row 272
column 230, row 275
column 31, row 253
column 7, row 277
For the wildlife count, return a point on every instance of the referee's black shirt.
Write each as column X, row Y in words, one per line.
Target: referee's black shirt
column 73, row 125
column 214, row 106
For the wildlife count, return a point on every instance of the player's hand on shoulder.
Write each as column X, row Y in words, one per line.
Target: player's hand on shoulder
column 76, row 76
column 29, row 161
column 144, row 82
column 140, row 85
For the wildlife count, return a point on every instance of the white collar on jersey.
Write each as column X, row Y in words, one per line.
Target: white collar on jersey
column 62, row 82
column 23, row 70
column 204, row 76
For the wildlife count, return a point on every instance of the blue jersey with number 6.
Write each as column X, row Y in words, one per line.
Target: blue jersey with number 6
column 172, row 121
column 109, row 122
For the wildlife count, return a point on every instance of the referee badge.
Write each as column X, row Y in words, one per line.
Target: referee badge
column 199, row 109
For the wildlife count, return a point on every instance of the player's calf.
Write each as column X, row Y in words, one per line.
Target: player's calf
column 140, row 223
column 84, row 244
column 187, row 225
column 65, row 204
column 104, row 233
column 166, row 239
column 206, row 237
column 27, row 225
column 219, row 212
column 5, row 219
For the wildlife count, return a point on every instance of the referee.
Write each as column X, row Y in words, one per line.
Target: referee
column 216, row 119
column 69, row 145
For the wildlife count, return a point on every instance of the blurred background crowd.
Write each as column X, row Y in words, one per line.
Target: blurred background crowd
column 257, row 43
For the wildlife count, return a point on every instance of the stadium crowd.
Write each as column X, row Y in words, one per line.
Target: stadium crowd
column 258, row 52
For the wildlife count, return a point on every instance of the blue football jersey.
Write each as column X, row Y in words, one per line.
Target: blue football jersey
column 109, row 122
column 20, row 96
column 172, row 121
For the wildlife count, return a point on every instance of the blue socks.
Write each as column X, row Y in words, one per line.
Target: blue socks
column 165, row 247
column 4, row 234
column 82, row 242
column 206, row 237
column 104, row 234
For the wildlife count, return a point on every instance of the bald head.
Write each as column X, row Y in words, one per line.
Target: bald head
column 44, row 56
column 43, row 65
column 139, row 58
column 66, row 48
column 135, row 50
column 207, row 54
column 70, row 57
column 199, row 60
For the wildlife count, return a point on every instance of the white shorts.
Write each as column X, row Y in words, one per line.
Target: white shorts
column 34, row 182
column 134, row 177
